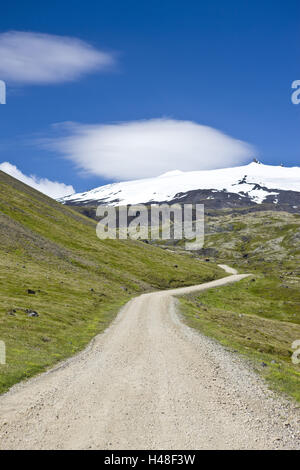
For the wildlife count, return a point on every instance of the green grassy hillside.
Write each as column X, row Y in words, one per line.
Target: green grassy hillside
column 52, row 263
column 257, row 240
column 260, row 317
column 256, row 320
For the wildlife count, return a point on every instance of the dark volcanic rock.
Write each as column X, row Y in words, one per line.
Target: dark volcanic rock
column 30, row 291
column 31, row 313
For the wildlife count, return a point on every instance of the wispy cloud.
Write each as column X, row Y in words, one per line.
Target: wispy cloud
column 50, row 188
column 148, row 148
column 36, row 58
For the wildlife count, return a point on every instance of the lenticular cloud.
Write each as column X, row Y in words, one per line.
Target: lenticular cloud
column 35, row 58
column 140, row 149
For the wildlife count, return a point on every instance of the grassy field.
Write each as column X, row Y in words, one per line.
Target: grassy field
column 52, row 263
column 252, row 319
column 258, row 317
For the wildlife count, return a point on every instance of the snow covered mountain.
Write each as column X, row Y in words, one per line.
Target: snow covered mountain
column 244, row 185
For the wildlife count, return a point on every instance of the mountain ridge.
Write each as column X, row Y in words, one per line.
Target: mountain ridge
column 254, row 183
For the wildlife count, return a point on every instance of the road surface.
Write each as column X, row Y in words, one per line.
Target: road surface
column 149, row 382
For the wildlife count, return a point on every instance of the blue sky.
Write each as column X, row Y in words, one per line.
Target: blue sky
column 226, row 65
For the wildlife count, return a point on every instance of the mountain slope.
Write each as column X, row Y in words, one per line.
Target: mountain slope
column 259, row 317
column 250, row 184
column 52, row 263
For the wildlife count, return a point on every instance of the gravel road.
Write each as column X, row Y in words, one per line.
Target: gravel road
column 149, row 382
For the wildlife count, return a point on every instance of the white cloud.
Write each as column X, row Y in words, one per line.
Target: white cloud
column 50, row 188
column 43, row 58
column 140, row 149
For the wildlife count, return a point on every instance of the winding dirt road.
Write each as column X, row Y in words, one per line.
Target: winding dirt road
column 149, row 382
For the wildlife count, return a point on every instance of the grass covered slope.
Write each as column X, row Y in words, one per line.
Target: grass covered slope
column 256, row 321
column 256, row 240
column 259, row 318
column 52, row 263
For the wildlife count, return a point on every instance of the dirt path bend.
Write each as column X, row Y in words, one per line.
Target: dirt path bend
column 148, row 382
column 228, row 269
